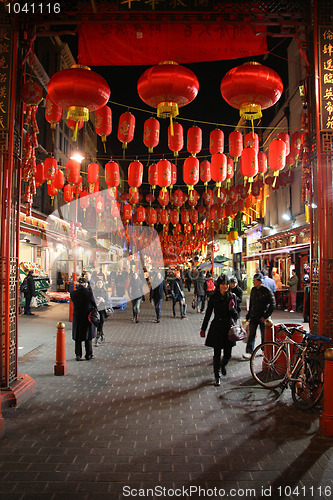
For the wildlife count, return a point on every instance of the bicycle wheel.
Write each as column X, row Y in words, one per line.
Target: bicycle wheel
column 268, row 364
column 308, row 390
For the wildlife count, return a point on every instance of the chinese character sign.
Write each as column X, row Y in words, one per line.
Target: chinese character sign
column 326, row 77
column 5, row 68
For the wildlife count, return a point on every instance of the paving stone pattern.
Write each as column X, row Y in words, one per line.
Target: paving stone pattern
column 143, row 419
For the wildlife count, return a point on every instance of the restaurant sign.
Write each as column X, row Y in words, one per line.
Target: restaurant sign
column 6, row 42
column 326, row 77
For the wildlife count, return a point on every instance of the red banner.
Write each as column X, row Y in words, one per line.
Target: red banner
column 121, row 44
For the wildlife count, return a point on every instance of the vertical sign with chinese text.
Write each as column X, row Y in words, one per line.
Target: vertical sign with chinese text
column 6, row 42
column 326, row 77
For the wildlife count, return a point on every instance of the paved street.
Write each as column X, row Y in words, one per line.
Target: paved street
column 144, row 415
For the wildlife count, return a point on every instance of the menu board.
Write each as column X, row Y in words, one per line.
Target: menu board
column 6, row 41
column 326, row 77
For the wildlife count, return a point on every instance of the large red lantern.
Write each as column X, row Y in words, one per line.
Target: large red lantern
column 216, row 141
column 250, row 88
column 277, row 156
column 73, row 171
column 112, row 175
column 235, row 144
column 39, row 174
column 50, row 168
column 79, row 90
column 103, row 123
column 219, row 169
column 126, row 128
column 249, row 164
column 53, row 112
column 285, row 138
column 191, row 172
column 59, row 179
column 176, row 140
column 151, row 133
column 167, row 87
column 251, row 140
column 194, row 140
column 93, row 173
column 163, row 174
column 135, row 173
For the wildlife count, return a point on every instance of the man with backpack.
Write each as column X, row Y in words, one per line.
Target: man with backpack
column 28, row 289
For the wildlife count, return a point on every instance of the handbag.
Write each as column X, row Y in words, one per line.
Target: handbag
column 236, row 333
column 94, row 316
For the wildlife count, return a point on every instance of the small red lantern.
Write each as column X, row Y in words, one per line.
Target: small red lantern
column 163, row 174
column 126, row 128
column 178, row 198
column 176, row 141
column 59, row 179
column 68, row 193
column 277, row 156
column 135, row 173
column 50, row 168
column 133, row 195
column 251, row 140
column 290, row 160
column 51, row 190
column 163, row 198
column 230, row 169
column 152, row 175
column 219, row 169
column 84, row 200
column 216, row 141
column 191, row 172
column 250, row 88
column 31, row 93
column 249, row 164
column 53, row 112
column 39, row 174
column 167, row 87
column 194, row 216
column 194, row 140
column 73, row 171
column 151, row 133
column 164, row 217
column 185, row 215
column 296, row 144
column 151, row 216
column 208, row 197
column 103, row 123
column 112, row 176
column 173, row 175
column 285, row 138
column 174, row 216
column 235, row 144
column 127, row 213
column 150, row 198
column 99, row 205
column 262, row 163
column 93, row 173
column 141, row 215
column 205, row 172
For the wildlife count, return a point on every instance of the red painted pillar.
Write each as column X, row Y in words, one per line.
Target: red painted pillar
column 326, row 419
column 60, row 365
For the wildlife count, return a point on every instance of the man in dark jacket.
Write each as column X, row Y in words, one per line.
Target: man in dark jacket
column 262, row 304
column 158, row 287
column 29, row 293
column 200, row 291
column 82, row 330
column 236, row 289
column 177, row 294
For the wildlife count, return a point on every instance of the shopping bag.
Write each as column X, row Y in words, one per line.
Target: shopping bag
column 33, row 302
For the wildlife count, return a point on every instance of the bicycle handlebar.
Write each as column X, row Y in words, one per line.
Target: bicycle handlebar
column 307, row 335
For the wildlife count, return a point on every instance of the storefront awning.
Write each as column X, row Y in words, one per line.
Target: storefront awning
column 283, row 251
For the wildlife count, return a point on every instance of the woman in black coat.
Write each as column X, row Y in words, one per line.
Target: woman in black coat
column 223, row 303
column 82, row 330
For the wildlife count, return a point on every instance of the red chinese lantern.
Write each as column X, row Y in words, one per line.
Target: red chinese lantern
column 220, row 212
column 73, row 171
column 53, row 112
column 51, row 190
column 296, row 144
column 99, row 205
column 194, row 140
column 133, row 195
column 84, row 200
column 205, row 172
column 230, row 169
column 235, row 144
column 219, row 169
column 93, row 174
column 151, row 133
column 251, row 140
column 75, row 126
column 240, row 205
column 103, row 123
column 233, row 193
column 285, row 138
column 59, row 180
column 178, row 198
column 174, row 216
column 50, row 168
column 208, row 197
column 152, row 175
column 127, row 213
column 249, row 164
column 163, row 174
column 277, row 156
column 150, row 198
column 262, row 163
column 115, row 209
column 290, row 160
column 151, row 216
column 250, row 88
column 176, row 141
column 164, row 217
column 194, row 199
column 126, row 128
column 173, row 175
column 191, row 172
column 31, row 93
column 39, row 174
column 216, row 141
column 194, row 216
column 135, row 173
column 163, row 198
column 68, row 193
column 79, row 90
column 167, row 87
column 112, row 175
column 140, row 215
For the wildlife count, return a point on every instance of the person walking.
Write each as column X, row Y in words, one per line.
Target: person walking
column 102, row 300
column 158, row 288
column 120, row 283
column 188, row 280
column 200, row 291
column 268, row 282
column 135, row 292
column 29, row 291
column 82, row 330
column 177, row 294
column 223, row 303
column 292, row 283
column 236, row 289
column 262, row 304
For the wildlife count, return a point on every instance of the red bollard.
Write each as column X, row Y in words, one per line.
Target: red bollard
column 59, row 367
column 326, row 418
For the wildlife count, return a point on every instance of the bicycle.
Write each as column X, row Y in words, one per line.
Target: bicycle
column 272, row 366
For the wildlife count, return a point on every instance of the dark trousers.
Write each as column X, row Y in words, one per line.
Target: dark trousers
column 188, row 284
column 252, row 334
column 217, row 362
column 158, row 306
column 87, row 345
column 101, row 321
column 201, row 299
column 180, row 300
column 27, row 308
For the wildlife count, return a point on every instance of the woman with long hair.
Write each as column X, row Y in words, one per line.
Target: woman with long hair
column 223, row 303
